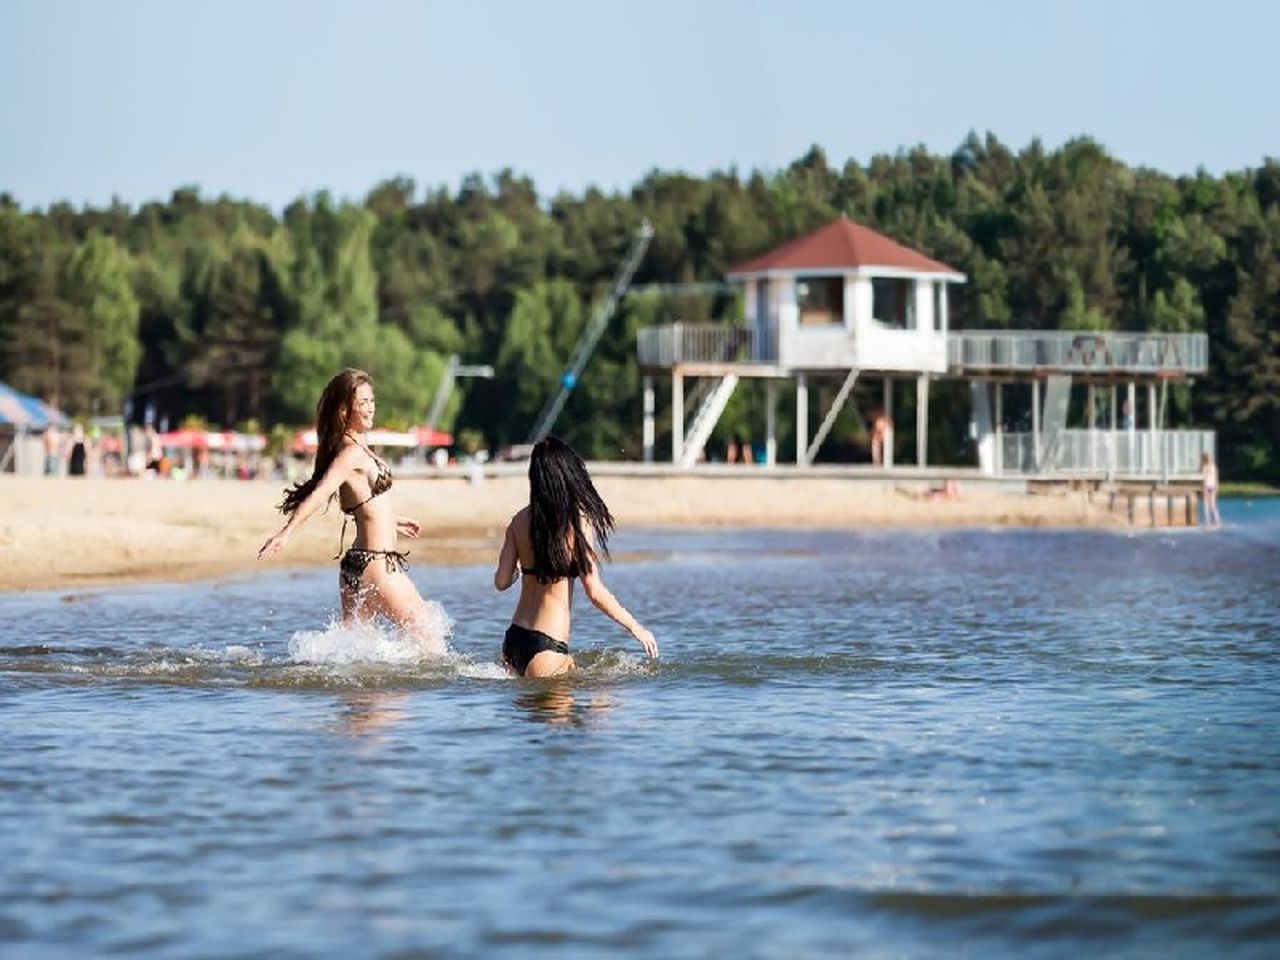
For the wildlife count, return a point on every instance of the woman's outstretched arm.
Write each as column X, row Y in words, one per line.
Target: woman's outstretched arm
column 344, row 464
column 604, row 601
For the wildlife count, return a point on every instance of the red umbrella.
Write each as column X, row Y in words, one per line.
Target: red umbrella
column 428, row 437
column 184, row 439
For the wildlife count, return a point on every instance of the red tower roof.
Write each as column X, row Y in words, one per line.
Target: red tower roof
column 842, row 244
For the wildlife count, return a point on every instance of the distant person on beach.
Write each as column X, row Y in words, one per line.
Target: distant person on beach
column 881, row 433
column 155, row 449
column 77, row 453
column 1209, row 479
column 372, row 575
column 949, row 491
column 52, row 442
column 550, row 543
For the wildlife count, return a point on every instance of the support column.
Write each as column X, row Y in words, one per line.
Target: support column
column 1112, row 458
column 1152, row 465
column 999, row 428
column 1092, row 412
column 677, row 416
column 770, row 423
column 802, row 420
column 648, row 430
column 1035, row 425
column 887, row 454
column 1131, row 426
column 922, row 420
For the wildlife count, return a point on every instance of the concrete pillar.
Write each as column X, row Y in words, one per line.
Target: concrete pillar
column 1152, row 453
column 888, row 412
column 1132, row 426
column 1035, row 424
column 648, row 430
column 1112, row 458
column 999, row 427
column 922, row 420
column 677, row 416
column 802, row 419
column 770, row 423
column 1092, row 412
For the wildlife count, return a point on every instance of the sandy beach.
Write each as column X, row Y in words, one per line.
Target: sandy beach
column 61, row 533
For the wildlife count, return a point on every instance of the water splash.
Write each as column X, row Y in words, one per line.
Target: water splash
column 342, row 644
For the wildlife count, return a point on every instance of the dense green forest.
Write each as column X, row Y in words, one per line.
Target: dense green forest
column 221, row 309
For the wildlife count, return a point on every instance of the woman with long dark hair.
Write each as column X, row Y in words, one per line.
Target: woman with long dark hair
column 372, row 574
column 556, row 539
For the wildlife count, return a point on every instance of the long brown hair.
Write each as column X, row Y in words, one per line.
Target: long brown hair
column 332, row 414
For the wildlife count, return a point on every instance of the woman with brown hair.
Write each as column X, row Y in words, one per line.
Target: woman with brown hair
column 372, row 574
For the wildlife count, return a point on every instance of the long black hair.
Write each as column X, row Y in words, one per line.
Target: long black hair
column 332, row 415
column 561, row 497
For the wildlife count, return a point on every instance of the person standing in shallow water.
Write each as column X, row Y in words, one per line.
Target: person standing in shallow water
column 550, row 543
column 1209, row 480
column 372, row 577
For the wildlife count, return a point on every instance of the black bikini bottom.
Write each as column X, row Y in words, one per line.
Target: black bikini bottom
column 521, row 645
column 351, row 569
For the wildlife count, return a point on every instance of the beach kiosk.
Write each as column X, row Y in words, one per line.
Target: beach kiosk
column 845, row 302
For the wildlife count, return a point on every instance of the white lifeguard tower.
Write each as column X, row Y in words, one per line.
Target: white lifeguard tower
column 846, row 302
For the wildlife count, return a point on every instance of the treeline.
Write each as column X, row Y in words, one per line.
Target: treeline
column 221, row 309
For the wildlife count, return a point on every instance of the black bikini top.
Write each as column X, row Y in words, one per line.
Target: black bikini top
column 535, row 572
column 380, row 483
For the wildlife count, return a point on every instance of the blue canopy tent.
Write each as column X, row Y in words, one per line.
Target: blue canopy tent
column 21, row 414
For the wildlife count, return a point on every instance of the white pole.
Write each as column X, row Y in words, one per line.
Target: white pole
column 770, row 423
column 1132, row 426
column 886, row 458
column 922, row 420
column 1093, row 418
column 1035, row 425
column 648, row 430
column 802, row 419
column 1111, row 439
column 677, row 416
column 999, row 428
column 1151, row 423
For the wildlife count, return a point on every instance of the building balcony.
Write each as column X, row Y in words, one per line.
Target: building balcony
column 978, row 352
column 1116, row 454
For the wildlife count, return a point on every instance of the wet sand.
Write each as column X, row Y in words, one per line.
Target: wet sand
column 60, row 533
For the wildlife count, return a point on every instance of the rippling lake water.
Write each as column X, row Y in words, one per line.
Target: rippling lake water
column 991, row 744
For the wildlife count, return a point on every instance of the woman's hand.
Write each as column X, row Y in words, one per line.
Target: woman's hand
column 274, row 543
column 646, row 640
column 408, row 528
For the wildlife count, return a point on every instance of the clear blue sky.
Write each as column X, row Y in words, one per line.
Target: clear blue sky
column 271, row 99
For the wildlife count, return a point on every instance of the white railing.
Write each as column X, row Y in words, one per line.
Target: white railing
column 1077, row 351
column 694, row 343
column 1112, row 453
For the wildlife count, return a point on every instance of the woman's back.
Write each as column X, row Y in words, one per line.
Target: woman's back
column 544, row 607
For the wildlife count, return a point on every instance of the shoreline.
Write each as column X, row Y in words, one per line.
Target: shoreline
column 65, row 533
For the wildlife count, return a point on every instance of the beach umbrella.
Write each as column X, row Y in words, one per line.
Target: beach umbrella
column 430, row 437
column 21, row 410
column 185, row 438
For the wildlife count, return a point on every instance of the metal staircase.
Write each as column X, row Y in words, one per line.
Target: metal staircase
column 591, row 335
column 706, row 418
